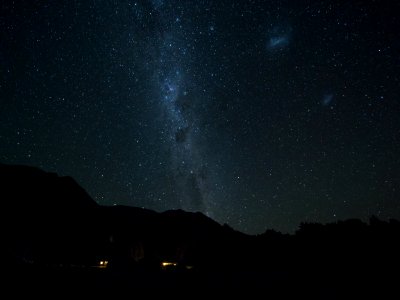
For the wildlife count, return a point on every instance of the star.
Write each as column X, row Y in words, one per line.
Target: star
column 199, row 105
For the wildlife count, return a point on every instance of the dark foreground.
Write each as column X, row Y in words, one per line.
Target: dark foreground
column 55, row 239
column 57, row 282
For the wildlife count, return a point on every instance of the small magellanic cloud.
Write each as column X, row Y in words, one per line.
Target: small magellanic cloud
column 327, row 99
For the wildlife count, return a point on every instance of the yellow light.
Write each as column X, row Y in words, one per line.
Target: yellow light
column 103, row 263
column 167, row 264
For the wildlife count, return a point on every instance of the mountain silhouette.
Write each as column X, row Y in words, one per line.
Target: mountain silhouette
column 52, row 220
column 53, row 231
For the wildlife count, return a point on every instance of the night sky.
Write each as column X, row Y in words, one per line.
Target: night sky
column 260, row 114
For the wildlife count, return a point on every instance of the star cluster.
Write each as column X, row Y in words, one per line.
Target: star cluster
column 260, row 114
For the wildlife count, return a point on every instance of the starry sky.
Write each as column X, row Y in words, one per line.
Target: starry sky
column 260, row 114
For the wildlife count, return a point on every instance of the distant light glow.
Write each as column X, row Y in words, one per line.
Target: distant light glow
column 166, row 264
column 103, row 263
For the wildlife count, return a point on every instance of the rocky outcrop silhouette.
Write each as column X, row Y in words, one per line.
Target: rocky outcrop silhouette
column 52, row 220
column 47, row 219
